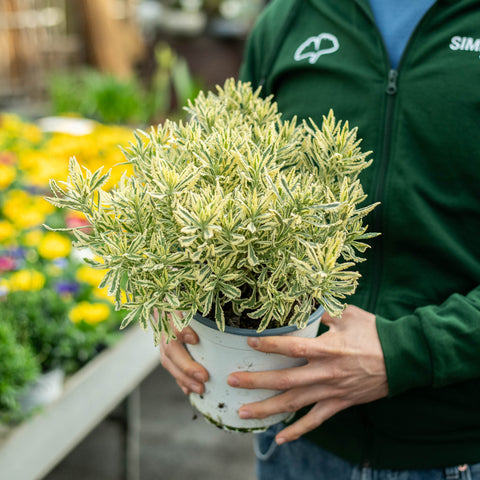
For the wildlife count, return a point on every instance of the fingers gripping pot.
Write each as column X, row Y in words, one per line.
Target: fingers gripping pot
column 223, row 353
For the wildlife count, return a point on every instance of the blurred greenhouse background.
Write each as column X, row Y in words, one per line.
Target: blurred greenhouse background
column 76, row 78
column 133, row 50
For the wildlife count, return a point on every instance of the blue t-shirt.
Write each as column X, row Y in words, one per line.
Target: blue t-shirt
column 396, row 20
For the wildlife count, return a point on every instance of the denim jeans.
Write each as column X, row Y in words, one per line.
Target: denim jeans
column 303, row 460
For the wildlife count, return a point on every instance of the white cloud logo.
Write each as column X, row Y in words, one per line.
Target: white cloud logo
column 314, row 47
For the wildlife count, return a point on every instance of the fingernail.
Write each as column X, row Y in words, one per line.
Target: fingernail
column 199, row 377
column 253, row 342
column 195, row 388
column 280, row 440
column 233, row 381
column 244, row 414
column 189, row 338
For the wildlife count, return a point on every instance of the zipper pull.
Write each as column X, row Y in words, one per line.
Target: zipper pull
column 392, row 82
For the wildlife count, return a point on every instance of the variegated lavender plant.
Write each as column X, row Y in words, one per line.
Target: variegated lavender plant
column 235, row 213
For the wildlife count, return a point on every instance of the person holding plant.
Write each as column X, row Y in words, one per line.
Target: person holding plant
column 394, row 384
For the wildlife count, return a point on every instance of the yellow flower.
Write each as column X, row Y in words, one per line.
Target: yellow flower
column 32, row 238
column 31, row 133
column 54, row 245
column 100, row 147
column 15, row 203
column 40, row 166
column 7, row 175
column 30, row 218
column 18, row 134
column 4, row 288
column 90, row 275
column 25, row 210
column 40, row 204
column 7, row 231
column 26, row 280
column 91, row 313
column 102, row 293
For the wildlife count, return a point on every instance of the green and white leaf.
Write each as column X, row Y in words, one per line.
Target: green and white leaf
column 234, row 207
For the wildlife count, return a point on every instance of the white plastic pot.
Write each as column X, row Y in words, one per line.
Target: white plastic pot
column 43, row 391
column 223, row 353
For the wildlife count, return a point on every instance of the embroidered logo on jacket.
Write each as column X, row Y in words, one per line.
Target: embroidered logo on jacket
column 314, row 47
column 467, row 44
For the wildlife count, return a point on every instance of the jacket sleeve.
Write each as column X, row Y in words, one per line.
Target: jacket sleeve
column 437, row 345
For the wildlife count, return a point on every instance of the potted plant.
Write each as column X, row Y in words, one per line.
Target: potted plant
column 235, row 218
column 18, row 369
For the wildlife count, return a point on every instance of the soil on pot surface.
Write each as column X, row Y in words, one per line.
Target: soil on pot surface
column 240, row 321
column 244, row 321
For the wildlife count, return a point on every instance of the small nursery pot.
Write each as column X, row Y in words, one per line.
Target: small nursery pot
column 223, row 353
column 43, row 391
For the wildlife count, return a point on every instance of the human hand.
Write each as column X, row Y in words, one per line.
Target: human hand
column 345, row 367
column 190, row 375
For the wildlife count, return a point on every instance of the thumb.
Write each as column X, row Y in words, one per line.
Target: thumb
column 328, row 320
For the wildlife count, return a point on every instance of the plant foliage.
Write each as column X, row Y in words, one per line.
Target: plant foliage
column 234, row 211
column 41, row 323
column 17, row 368
column 109, row 99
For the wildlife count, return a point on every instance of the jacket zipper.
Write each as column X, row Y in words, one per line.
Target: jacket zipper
column 391, row 91
column 377, row 260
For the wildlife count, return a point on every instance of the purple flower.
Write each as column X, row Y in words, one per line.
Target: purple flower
column 65, row 287
column 16, row 253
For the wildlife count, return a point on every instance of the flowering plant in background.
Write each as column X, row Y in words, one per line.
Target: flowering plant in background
column 97, row 148
column 48, row 295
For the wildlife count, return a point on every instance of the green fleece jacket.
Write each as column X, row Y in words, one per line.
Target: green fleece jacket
column 422, row 275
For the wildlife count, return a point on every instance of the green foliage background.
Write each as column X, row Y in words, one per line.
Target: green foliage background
column 41, row 323
column 18, row 366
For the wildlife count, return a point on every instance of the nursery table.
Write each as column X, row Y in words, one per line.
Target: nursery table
column 30, row 450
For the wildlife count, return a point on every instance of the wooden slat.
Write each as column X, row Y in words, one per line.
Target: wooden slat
column 115, row 45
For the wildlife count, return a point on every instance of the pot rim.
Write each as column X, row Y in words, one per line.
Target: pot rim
column 250, row 332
